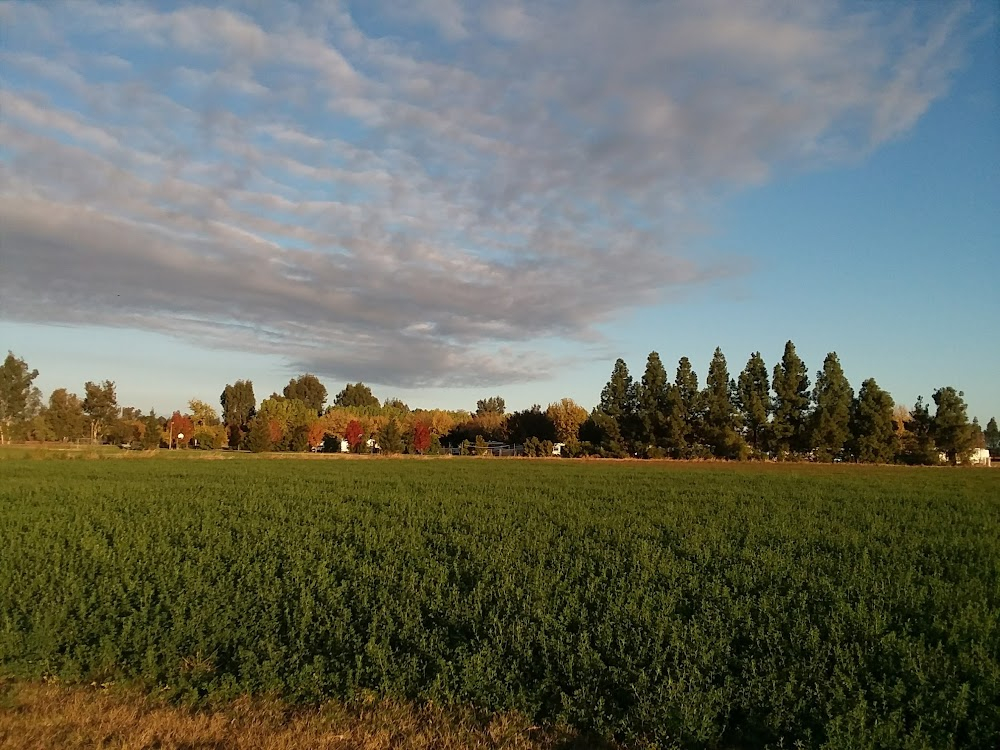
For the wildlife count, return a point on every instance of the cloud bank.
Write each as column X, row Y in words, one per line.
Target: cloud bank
column 417, row 193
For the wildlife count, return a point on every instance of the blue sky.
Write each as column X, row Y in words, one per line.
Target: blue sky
column 450, row 200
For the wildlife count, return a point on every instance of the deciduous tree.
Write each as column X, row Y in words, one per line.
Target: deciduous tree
column 421, row 437
column 309, row 390
column 100, row 403
column 65, row 415
column 178, row 425
column 16, row 392
column 566, row 416
column 239, row 405
column 492, row 405
column 355, row 436
column 356, row 394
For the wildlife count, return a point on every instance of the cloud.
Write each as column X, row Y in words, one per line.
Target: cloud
column 373, row 200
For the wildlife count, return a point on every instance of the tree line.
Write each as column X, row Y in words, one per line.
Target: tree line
column 777, row 414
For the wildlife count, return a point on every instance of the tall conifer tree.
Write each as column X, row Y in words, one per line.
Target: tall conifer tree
column 790, row 426
column 873, row 437
column 832, row 417
column 755, row 400
column 721, row 422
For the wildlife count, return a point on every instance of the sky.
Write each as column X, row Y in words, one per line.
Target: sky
column 449, row 200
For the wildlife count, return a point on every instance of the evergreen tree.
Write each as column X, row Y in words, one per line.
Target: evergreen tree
column 952, row 432
column 619, row 400
column 872, row 429
column 653, row 402
column 151, row 433
column 674, row 440
column 298, row 439
column 992, row 435
column 831, row 419
column 390, row 438
column 689, row 397
column 978, row 437
column 790, row 426
column 258, row 439
column 755, row 400
column 720, row 421
column 917, row 444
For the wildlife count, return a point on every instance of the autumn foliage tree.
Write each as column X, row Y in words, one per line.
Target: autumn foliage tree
column 355, row 436
column 421, row 438
column 180, row 424
column 567, row 416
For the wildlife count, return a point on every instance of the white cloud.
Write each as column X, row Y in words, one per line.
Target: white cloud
column 370, row 203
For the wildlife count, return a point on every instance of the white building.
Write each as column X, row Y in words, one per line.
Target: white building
column 980, row 457
column 977, row 457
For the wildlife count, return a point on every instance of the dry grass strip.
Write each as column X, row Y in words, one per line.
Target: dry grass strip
column 44, row 716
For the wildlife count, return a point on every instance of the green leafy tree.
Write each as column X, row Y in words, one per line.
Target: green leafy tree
column 652, row 399
column 720, row 418
column 601, row 432
column 390, row 438
column 831, row 419
column 992, row 435
column 202, row 414
column 951, row 429
column 754, row 396
column 239, row 405
column 65, row 415
column 790, row 425
column 873, row 437
column 530, row 423
column 100, row 403
column 16, row 394
column 492, row 405
column 567, row 416
column 356, row 394
column 307, row 389
column 289, row 415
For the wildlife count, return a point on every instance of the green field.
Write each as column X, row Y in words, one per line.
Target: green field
column 701, row 606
